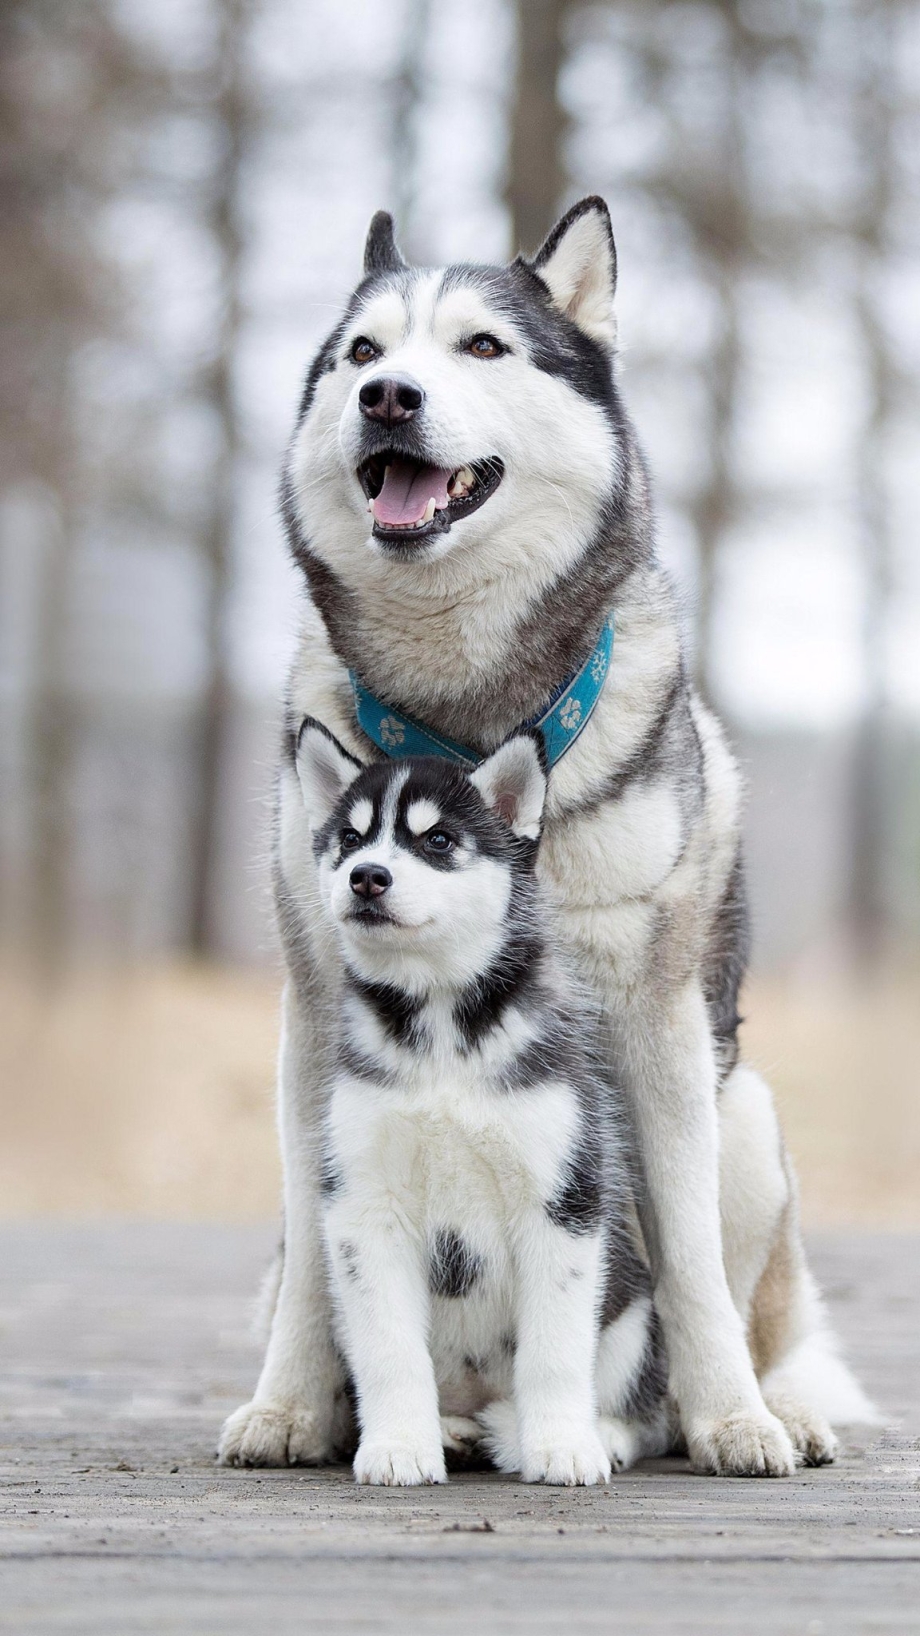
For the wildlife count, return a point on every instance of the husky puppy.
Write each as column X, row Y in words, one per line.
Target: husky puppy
column 466, row 500
column 476, row 1197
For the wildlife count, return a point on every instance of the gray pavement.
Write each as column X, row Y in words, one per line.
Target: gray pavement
column 124, row 1346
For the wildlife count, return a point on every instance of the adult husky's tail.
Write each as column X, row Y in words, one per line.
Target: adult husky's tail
column 813, row 1370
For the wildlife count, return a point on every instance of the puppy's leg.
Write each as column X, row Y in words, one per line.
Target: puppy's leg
column 380, row 1276
column 632, row 1382
column 289, row 1420
column 669, row 1065
column 558, row 1290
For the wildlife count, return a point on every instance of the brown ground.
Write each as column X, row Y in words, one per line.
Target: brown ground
column 150, row 1093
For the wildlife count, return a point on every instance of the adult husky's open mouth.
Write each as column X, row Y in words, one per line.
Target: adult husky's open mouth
column 412, row 501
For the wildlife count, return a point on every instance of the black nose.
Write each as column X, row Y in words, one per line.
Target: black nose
column 391, row 398
column 370, row 880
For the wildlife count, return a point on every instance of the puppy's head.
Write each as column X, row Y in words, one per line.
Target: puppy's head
column 418, row 860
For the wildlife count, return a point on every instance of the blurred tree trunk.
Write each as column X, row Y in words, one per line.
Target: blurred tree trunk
column 722, row 229
column 52, row 725
column 536, row 172
column 232, row 115
column 871, row 769
column 408, row 93
column 714, row 506
column 53, row 169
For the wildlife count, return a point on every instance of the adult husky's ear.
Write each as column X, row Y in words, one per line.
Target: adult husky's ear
column 325, row 770
column 578, row 265
column 513, row 783
column 381, row 254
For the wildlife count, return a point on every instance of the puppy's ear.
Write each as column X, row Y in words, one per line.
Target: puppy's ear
column 325, row 770
column 381, row 254
column 578, row 265
column 513, row 783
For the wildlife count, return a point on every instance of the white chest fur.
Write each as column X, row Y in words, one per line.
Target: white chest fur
column 446, row 1150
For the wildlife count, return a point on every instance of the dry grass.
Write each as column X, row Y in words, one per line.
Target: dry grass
column 844, row 1062
column 150, row 1093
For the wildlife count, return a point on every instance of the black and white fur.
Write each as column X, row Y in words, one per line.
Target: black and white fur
column 495, row 389
column 476, row 1191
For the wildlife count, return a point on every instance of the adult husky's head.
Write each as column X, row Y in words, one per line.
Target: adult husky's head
column 463, row 422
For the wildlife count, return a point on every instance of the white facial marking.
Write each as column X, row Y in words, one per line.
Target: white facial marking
column 422, row 816
column 361, row 814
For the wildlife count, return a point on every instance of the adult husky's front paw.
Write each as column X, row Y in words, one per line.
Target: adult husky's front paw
column 399, row 1465
column 274, row 1434
column 811, row 1435
column 747, row 1444
column 565, row 1459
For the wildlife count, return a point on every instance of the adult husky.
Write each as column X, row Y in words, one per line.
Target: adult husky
column 466, row 499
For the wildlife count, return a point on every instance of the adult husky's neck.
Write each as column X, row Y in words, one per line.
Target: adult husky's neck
column 469, row 659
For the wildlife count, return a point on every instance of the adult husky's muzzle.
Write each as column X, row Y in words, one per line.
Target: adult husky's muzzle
column 391, row 399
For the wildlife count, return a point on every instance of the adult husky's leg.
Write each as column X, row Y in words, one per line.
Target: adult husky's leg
column 668, row 1058
column 805, row 1381
column 289, row 1421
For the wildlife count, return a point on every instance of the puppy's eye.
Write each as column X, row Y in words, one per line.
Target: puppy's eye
column 364, row 351
column 350, row 839
column 485, row 346
column 438, row 841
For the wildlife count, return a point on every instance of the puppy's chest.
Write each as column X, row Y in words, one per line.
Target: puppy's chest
column 451, row 1145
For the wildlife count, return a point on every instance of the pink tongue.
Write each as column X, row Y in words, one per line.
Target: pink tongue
column 407, row 488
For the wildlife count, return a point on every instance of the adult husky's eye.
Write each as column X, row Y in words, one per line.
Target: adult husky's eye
column 350, row 839
column 364, row 351
column 485, row 346
column 437, row 841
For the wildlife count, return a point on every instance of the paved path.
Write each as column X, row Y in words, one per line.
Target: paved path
column 123, row 1347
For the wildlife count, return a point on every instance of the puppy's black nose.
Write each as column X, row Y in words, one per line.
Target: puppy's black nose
column 370, row 880
column 391, row 398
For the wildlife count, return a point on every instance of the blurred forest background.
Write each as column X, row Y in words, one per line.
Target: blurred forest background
column 185, row 191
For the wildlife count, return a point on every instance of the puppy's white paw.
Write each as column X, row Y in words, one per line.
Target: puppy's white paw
column 620, row 1440
column 274, row 1434
column 399, row 1465
column 811, row 1435
column 459, row 1433
column 498, row 1421
column 567, row 1458
column 746, row 1444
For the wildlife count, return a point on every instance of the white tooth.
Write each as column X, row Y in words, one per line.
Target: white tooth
column 370, row 507
column 429, row 511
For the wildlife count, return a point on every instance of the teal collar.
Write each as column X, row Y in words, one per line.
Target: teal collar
column 559, row 723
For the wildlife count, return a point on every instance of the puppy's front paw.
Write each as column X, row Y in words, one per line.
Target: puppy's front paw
column 567, row 1459
column 399, row 1465
column 746, row 1444
column 273, row 1434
